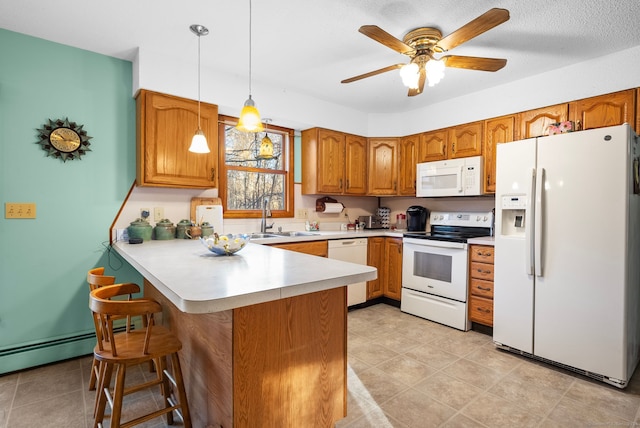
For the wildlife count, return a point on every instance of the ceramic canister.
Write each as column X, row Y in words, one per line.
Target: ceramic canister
column 207, row 229
column 182, row 226
column 165, row 230
column 140, row 228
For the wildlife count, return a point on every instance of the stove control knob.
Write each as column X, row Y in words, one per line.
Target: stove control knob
column 478, row 218
column 441, row 217
column 485, row 218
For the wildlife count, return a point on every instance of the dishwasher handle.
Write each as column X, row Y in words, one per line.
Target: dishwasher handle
column 336, row 243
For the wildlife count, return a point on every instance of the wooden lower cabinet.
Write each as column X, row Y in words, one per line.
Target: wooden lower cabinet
column 481, row 284
column 385, row 254
column 315, row 248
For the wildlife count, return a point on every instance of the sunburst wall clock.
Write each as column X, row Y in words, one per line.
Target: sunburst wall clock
column 63, row 139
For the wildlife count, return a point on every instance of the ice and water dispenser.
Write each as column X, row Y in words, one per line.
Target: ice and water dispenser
column 513, row 215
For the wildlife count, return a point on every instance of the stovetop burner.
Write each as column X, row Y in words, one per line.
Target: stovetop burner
column 456, row 227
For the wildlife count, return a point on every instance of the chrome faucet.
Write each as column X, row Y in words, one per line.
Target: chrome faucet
column 266, row 212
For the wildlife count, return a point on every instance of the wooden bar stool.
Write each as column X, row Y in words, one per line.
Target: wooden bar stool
column 118, row 350
column 96, row 278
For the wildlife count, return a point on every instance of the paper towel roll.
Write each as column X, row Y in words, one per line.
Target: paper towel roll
column 333, row 207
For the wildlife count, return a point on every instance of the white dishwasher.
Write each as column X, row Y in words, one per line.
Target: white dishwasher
column 354, row 251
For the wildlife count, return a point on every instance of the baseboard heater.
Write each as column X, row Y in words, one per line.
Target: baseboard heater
column 602, row 378
column 47, row 351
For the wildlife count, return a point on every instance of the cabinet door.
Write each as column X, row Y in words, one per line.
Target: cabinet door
column 315, row 248
column 534, row 123
column 433, row 146
column 165, row 127
column 355, row 165
column 393, row 268
column 466, row 140
column 407, row 165
column 375, row 255
column 383, row 166
column 496, row 131
column 331, row 145
column 605, row 110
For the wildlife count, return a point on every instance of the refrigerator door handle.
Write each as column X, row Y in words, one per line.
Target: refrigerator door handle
column 529, row 228
column 538, row 222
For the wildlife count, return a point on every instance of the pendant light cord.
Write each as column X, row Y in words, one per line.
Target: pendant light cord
column 199, row 128
column 250, row 48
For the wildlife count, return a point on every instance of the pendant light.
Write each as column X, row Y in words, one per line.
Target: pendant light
column 266, row 145
column 249, row 120
column 199, row 141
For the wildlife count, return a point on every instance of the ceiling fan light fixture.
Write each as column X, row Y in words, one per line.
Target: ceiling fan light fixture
column 410, row 74
column 435, row 71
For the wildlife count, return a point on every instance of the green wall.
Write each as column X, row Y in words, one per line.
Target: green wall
column 43, row 262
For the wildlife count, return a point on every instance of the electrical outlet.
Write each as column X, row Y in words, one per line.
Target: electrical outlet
column 19, row 210
column 145, row 213
column 158, row 214
column 302, row 213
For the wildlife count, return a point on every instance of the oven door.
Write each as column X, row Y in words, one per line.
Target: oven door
column 435, row 267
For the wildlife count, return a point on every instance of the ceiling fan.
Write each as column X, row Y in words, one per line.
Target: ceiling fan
column 422, row 43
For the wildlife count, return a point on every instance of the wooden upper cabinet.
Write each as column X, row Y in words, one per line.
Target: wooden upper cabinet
column 496, row 131
column 355, row 165
column 323, row 157
column 534, row 123
column 637, row 111
column 605, row 110
column 165, row 125
column 466, row 140
column 383, row 166
column 433, row 146
column 408, row 150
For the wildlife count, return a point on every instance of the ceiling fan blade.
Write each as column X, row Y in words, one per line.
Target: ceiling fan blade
column 372, row 73
column 474, row 62
column 381, row 36
column 423, row 78
column 484, row 22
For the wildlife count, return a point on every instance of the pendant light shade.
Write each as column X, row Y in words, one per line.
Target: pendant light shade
column 266, row 146
column 249, row 120
column 199, row 141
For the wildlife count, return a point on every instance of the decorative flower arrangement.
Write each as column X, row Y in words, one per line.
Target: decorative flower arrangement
column 562, row 127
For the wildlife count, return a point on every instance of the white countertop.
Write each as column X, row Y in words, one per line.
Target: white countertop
column 330, row 234
column 199, row 281
column 484, row 240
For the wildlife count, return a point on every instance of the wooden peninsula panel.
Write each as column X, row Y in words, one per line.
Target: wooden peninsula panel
column 279, row 363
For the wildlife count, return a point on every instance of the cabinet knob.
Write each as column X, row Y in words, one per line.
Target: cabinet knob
column 213, row 175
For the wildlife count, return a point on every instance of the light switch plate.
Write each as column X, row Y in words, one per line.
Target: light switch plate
column 19, row 210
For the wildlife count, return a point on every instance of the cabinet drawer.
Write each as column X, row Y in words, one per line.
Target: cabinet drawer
column 481, row 288
column 481, row 271
column 482, row 253
column 481, row 310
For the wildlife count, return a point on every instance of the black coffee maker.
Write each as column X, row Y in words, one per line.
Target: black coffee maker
column 417, row 218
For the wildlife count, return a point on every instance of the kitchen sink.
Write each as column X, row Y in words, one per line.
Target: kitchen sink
column 258, row 235
column 295, row 233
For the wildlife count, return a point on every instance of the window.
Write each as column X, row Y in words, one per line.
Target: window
column 245, row 180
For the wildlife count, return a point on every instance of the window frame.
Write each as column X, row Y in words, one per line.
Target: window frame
column 288, row 165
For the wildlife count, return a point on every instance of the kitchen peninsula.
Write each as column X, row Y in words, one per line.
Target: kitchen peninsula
column 263, row 331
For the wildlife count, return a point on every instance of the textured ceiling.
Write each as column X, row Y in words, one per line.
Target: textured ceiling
column 310, row 46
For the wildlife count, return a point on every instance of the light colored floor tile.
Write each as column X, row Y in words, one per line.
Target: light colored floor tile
column 576, row 414
column 497, row 412
column 416, row 410
column 473, row 373
column 406, row 370
column 621, row 403
column 432, row 356
column 448, row 389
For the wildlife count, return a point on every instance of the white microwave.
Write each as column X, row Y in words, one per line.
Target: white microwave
column 452, row 177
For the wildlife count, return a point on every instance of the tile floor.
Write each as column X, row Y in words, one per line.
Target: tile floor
column 403, row 372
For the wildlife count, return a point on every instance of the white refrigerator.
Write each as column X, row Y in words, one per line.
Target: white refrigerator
column 567, row 251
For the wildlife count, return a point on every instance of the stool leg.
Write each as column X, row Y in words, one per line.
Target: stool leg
column 182, row 394
column 92, row 379
column 118, row 395
column 101, row 398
